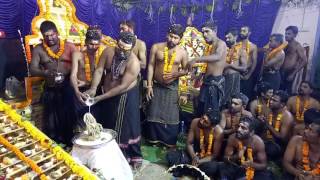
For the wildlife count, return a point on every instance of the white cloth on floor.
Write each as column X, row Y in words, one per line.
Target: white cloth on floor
column 108, row 159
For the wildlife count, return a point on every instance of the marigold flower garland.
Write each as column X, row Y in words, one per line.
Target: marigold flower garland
column 233, row 53
column 167, row 67
column 203, row 152
column 51, row 53
column 277, row 124
column 87, row 66
column 249, row 170
column 33, row 165
column 275, row 51
column 247, row 49
column 46, row 142
column 299, row 113
column 259, row 106
column 306, row 161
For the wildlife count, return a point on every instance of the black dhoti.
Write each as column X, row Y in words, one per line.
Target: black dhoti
column 121, row 113
column 272, row 77
column 58, row 112
column 232, row 86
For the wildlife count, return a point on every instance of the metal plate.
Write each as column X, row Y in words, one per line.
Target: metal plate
column 109, row 135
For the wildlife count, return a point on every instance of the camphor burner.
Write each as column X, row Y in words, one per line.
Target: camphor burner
column 94, row 136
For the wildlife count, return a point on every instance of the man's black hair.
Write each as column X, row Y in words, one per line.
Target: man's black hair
column 176, row 29
column 128, row 38
column 46, row 26
column 283, row 96
column 211, row 25
column 294, row 29
column 278, row 37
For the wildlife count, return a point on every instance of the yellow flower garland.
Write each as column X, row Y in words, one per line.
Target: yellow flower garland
column 249, row 170
column 23, row 158
column 300, row 114
column 167, row 67
column 87, row 67
column 277, row 124
column 233, row 53
column 46, row 142
column 203, row 152
column 259, row 106
column 51, row 53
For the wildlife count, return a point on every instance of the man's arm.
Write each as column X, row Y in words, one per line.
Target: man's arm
column 223, row 121
column 218, row 55
column 74, row 70
column 253, row 106
column 100, row 68
column 242, row 66
column 289, row 157
column 253, row 58
column 190, row 139
column 184, row 62
column 217, row 142
column 151, row 65
column 229, row 154
column 130, row 75
column 290, row 104
column 142, row 55
column 35, row 69
column 278, row 58
column 261, row 162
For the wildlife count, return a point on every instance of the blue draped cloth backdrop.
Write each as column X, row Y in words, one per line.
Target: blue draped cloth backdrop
column 152, row 17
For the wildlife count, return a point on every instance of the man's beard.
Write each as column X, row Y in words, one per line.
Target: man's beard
column 171, row 44
column 243, row 37
column 230, row 43
column 122, row 56
column 242, row 136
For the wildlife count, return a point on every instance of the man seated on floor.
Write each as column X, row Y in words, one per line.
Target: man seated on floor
column 260, row 106
column 302, row 156
column 298, row 104
column 277, row 126
column 230, row 118
column 203, row 144
column 245, row 155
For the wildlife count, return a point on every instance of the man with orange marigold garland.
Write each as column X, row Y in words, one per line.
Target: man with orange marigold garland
column 83, row 66
column 52, row 60
column 245, row 155
column 273, row 60
column 277, row 125
column 298, row 104
column 302, row 157
column 236, row 61
column 260, row 105
column 204, row 142
column 162, row 90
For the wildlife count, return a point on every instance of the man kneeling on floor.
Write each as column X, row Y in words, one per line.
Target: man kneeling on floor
column 203, row 145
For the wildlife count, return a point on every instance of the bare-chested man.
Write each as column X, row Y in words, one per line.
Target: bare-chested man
column 212, row 89
column 204, row 141
column 302, row 157
column 162, row 90
column 83, row 66
column 119, row 104
column 278, row 125
column 273, row 60
column 236, row 63
column 230, row 118
column 140, row 51
column 245, row 155
column 140, row 47
column 294, row 62
column 52, row 60
column 251, row 50
column 298, row 104
column 260, row 106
